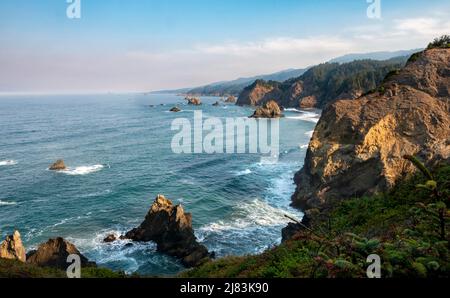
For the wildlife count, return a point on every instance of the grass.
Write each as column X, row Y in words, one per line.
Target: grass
column 16, row 269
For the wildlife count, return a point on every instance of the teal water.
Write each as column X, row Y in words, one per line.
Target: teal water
column 118, row 151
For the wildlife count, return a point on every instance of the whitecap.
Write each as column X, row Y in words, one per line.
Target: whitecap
column 5, row 203
column 310, row 117
column 83, row 170
column 244, row 172
column 304, row 146
column 8, row 162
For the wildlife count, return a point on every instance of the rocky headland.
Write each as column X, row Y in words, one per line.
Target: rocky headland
column 358, row 146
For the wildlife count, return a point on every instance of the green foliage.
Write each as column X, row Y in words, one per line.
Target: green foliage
column 404, row 227
column 440, row 42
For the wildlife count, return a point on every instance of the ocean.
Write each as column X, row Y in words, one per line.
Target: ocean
column 118, row 150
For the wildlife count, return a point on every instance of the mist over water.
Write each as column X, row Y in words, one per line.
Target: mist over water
column 117, row 149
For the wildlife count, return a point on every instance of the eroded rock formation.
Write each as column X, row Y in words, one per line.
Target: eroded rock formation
column 358, row 145
column 171, row 228
column 58, row 166
column 54, row 254
column 12, row 248
column 269, row 110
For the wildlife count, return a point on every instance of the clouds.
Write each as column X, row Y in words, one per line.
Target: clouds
column 198, row 63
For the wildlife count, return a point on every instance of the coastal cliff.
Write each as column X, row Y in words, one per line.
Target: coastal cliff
column 358, row 146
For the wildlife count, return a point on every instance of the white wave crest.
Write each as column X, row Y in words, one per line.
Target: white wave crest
column 256, row 213
column 309, row 133
column 5, row 203
column 83, row 170
column 8, row 163
column 306, row 116
column 244, row 172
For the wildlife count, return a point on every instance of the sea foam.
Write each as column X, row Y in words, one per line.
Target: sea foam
column 83, row 170
column 8, row 163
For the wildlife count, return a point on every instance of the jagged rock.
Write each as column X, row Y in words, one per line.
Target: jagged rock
column 171, row 228
column 58, row 166
column 194, row 101
column 259, row 93
column 12, row 248
column 269, row 110
column 216, row 104
column 54, row 254
column 175, row 110
column 231, row 99
column 358, row 146
column 308, row 102
column 110, row 238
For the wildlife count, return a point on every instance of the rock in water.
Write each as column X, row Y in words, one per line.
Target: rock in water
column 110, row 238
column 58, row 166
column 194, row 101
column 231, row 99
column 171, row 229
column 12, row 248
column 216, row 104
column 175, row 109
column 358, row 146
column 54, row 254
column 269, row 110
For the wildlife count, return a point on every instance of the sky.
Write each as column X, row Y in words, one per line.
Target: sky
column 143, row 45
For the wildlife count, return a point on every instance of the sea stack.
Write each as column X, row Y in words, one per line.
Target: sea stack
column 194, row 101
column 58, row 166
column 171, row 228
column 175, row 110
column 12, row 248
column 269, row 110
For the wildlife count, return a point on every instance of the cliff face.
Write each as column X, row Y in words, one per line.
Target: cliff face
column 321, row 84
column 358, row 145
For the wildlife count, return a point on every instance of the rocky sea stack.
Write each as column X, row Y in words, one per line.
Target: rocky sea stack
column 269, row 110
column 358, row 146
column 12, row 248
column 58, row 166
column 171, row 228
column 54, row 254
column 194, row 101
column 175, row 110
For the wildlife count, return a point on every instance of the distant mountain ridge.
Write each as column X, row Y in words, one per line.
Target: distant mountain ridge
column 235, row 87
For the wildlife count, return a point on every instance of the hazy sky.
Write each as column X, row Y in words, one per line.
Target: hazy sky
column 141, row 45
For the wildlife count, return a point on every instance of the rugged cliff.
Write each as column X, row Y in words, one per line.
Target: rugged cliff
column 358, row 145
column 322, row 84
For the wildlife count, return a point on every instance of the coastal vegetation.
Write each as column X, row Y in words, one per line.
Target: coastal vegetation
column 402, row 226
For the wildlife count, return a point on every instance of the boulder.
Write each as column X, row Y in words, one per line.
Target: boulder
column 194, row 101
column 171, row 228
column 231, row 99
column 175, row 110
column 58, row 166
column 216, row 104
column 12, row 248
column 269, row 110
column 54, row 254
column 358, row 146
column 110, row 238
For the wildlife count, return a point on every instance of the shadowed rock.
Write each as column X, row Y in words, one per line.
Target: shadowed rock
column 12, row 248
column 171, row 228
column 58, row 166
column 175, row 110
column 194, row 101
column 54, row 254
column 269, row 110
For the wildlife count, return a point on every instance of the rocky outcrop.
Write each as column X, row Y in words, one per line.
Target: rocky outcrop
column 231, row 99
column 175, row 110
column 194, row 101
column 216, row 104
column 110, row 238
column 58, row 166
column 259, row 93
column 269, row 110
column 12, row 248
column 358, row 146
column 171, row 228
column 54, row 254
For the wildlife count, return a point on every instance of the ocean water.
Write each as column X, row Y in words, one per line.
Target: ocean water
column 117, row 148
